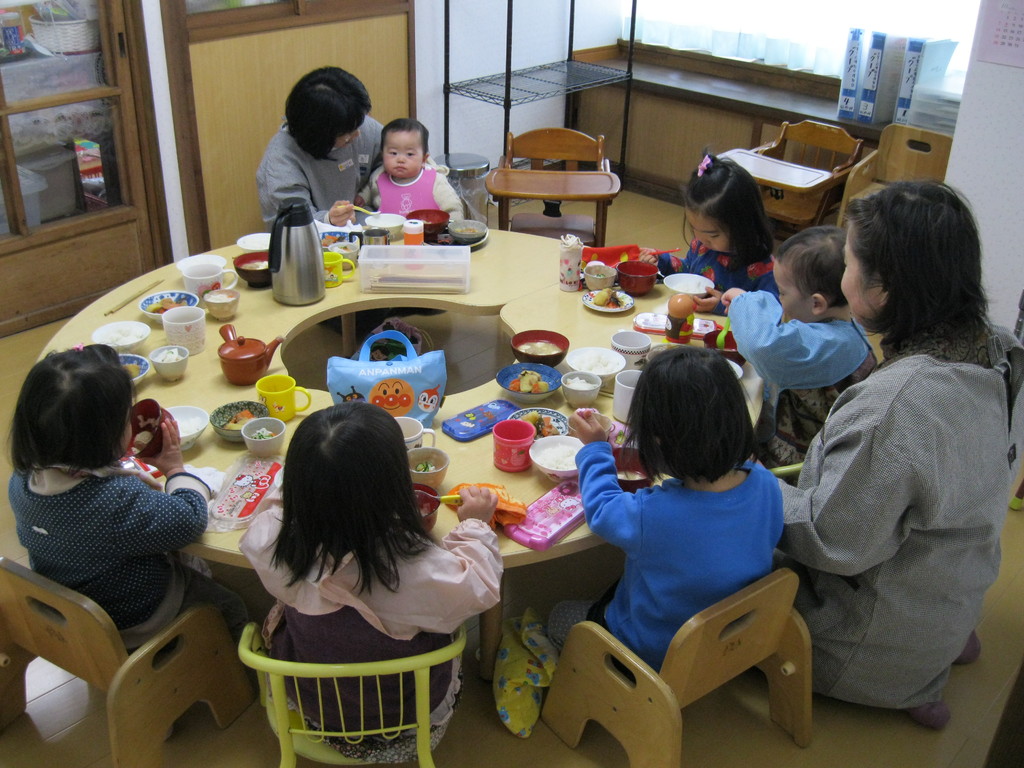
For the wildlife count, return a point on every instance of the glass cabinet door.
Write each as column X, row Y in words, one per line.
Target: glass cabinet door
column 59, row 111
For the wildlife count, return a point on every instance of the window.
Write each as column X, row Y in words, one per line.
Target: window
column 796, row 34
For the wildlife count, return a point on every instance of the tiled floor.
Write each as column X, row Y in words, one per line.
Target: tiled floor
column 66, row 723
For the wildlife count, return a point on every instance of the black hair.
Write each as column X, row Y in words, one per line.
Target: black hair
column 347, row 488
column 722, row 190
column 689, row 416
column 918, row 241
column 406, row 124
column 72, row 411
column 325, row 104
column 815, row 260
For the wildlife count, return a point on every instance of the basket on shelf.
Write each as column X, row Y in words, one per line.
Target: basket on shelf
column 75, row 36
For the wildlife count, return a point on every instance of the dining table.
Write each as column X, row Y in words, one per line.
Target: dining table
column 514, row 276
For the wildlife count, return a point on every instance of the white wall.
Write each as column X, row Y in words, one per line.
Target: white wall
column 987, row 166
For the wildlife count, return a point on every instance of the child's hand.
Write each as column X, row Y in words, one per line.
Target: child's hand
column 729, row 295
column 477, row 504
column 709, row 303
column 341, row 213
column 586, row 426
column 169, row 460
column 648, row 255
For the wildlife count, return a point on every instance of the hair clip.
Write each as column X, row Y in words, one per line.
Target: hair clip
column 704, row 165
column 78, row 347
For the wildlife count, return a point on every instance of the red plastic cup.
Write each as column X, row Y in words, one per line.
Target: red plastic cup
column 512, row 441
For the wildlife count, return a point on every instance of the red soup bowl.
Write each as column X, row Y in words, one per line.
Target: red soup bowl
column 434, row 222
column 427, row 500
column 637, row 277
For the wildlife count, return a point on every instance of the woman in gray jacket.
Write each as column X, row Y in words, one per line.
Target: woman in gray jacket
column 895, row 523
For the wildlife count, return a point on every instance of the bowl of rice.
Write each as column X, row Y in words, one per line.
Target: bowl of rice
column 192, row 423
column 264, row 436
column 555, row 457
column 604, row 362
column 125, row 336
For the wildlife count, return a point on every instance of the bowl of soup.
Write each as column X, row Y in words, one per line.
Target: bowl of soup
column 538, row 346
column 254, row 268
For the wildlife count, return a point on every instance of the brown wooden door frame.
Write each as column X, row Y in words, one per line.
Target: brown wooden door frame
column 181, row 30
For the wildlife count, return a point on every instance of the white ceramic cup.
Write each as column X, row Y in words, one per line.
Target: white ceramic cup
column 414, row 432
column 186, row 327
column 632, row 345
column 625, row 386
column 200, row 278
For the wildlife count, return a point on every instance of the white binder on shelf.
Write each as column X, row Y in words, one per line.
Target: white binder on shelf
column 925, row 65
column 850, row 79
column 880, row 81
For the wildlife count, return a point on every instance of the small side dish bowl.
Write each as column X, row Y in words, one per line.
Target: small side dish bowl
column 170, row 362
column 434, row 222
column 222, row 303
column 392, row 222
column 428, row 466
column 637, row 277
column 254, row 268
column 598, row 276
column 136, row 365
column 257, row 241
column 548, row 382
column 544, row 347
column 545, row 421
column 555, row 457
column 580, row 388
column 154, row 305
column 192, row 422
column 125, row 336
column 264, row 436
column 227, row 420
column 467, row 231
column 598, row 360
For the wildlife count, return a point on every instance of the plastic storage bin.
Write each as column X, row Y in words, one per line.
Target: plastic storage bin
column 414, row 269
column 32, row 185
column 39, row 75
column 57, row 166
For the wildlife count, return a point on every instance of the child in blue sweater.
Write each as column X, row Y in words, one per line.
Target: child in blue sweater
column 732, row 235
column 804, row 343
column 92, row 525
column 710, row 527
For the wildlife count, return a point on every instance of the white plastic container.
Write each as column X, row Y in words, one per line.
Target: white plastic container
column 57, row 166
column 32, row 184
column 414, row 269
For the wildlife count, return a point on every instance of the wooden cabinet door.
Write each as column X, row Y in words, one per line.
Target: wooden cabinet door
column 74, row 220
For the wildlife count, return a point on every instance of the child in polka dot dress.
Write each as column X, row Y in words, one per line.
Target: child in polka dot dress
column 92, row 525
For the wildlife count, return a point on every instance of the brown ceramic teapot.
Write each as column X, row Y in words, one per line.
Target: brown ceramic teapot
column 243, row 360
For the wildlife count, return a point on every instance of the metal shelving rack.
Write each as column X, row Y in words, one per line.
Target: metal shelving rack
column 522, row 86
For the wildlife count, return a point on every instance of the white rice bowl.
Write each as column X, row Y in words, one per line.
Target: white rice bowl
column 555, row 457
column 597, row 360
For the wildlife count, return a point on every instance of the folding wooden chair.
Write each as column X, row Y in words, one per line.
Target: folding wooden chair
column 599, row 679
column 193, row 659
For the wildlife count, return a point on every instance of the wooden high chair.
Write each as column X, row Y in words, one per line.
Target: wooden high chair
column 567, row 148
column 192, row 659
column 813, row 145
column 599, row 679
column 905, row 153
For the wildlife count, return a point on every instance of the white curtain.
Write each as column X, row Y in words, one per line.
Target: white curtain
column 797, row 34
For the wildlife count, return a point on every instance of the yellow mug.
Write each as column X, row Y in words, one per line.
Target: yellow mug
column 334, row 268
column 278, row 392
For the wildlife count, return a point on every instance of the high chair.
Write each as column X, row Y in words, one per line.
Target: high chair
column 298, row 737
column 567, row 148
column 190, row 660
column 814, row 145
column 600, row 679
column 905, row 153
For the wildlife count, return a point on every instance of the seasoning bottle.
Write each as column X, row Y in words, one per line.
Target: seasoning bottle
column 412, row 232
column 13, row 32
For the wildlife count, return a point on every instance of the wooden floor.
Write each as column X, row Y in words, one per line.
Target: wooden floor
column 65, row 724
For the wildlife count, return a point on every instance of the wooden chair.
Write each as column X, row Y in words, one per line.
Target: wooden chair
column 193, row 659
column 599, row 679
column 296, row 737
column 905, row 153
column 814, row 145
column 568, row 149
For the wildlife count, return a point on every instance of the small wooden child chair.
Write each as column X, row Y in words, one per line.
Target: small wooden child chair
column 599, row 679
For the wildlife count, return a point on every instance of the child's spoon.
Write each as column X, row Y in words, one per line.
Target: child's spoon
column 363, row 210
column 720, row 340
column 451, row 499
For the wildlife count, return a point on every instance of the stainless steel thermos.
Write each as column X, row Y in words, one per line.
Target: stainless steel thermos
column 295, row 256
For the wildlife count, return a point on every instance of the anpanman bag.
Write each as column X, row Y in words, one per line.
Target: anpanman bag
column 407, row 385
